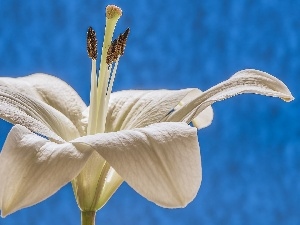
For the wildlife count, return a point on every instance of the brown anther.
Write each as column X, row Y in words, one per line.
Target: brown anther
column 91, row 46
column 117, row 47
column 112, row 55
column 122, row 39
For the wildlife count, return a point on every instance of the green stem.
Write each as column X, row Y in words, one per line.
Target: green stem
column 88, row 217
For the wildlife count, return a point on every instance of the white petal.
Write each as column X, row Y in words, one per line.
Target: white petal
column 19, row 108
column 245, row 81
column 59, row 95
column 161, row 161
column 205, row 118
column 19, row 85
column 33, row 168
column 133, row 109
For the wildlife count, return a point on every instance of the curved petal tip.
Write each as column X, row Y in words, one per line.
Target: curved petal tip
column 264, row 79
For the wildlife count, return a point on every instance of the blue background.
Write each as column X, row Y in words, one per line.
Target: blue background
column 251, row 152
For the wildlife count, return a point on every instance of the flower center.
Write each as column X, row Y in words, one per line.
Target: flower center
column 101, row 85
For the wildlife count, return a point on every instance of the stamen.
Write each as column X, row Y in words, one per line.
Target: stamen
column 91, row 43
column 115, row 51
column 92, row 52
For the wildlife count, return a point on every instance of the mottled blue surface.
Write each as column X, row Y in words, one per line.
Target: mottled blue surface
column 251, row 152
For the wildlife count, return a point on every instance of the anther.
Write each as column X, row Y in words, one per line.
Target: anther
column 112, row 55
column 117, row 47
column 122, row 39
column 91, row 43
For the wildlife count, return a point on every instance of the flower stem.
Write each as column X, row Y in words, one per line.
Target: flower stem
column 88, row 217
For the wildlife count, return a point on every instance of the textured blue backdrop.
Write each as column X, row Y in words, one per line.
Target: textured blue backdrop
column 251, row 152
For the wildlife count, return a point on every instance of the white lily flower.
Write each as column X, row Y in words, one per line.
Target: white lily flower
column 141, row 137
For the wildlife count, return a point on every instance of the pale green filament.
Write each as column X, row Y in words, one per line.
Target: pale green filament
column 111, row 82
column 93, row 100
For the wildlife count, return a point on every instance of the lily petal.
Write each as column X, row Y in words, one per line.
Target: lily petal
column 204, row 118
column 52, row 91
column 137, row 108
column 59, row 95
column 161, row 161
column 18, row 85
column 33, row 168
column 18, row 108
column 245, row 81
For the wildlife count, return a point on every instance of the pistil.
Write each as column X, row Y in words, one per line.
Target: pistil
column 101, row 86
column 113, row 13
